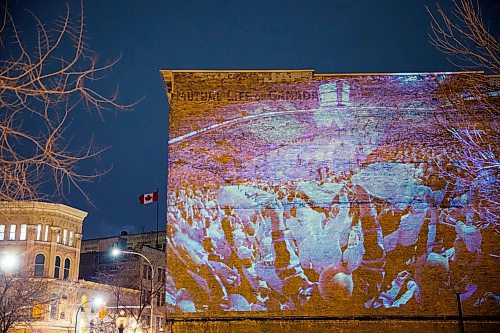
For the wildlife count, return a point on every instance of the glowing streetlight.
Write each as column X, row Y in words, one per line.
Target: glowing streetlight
column 9, row 262
column 115, row 252
column 98, row 301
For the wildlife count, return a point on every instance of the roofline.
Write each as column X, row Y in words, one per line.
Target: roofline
column 310, row 70
column 44, row 206
column 399, row 74
column 139, row 233
column 234, row 70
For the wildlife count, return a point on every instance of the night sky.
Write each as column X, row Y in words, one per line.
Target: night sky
column 328, row 36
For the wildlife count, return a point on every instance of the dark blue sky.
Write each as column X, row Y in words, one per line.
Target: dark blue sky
column 334, row 36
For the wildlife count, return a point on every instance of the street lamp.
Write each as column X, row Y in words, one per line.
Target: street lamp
column 115, row 252
column 9, row 262
column 98, row 302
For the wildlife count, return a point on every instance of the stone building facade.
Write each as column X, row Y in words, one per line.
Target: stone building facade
column 308, row 201
column 45, row 238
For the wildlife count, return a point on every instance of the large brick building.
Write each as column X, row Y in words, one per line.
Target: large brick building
column 301, row 200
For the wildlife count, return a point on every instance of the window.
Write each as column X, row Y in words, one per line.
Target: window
column 65, row 236
column 46, row 236
column 58, row 237
column 39, row 232
column 22, row 235
column 57, row 267
column 85, row 302
column 63, row 305
column 158, row 324
column 2, row 231
column 53, row 306
column 71, row 238
column 146, row 272
column 160, row 300
column 12, row 235
column 146, row 296
column 160, row 275
column 39, row 264
column 67, row 264
column 37, row 310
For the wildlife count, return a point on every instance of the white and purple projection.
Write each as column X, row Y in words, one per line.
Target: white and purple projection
column 335, row 195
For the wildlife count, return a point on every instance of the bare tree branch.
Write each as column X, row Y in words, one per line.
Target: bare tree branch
column 463, row 34
column 25, row 299
column 469, row 105
column 39, row 93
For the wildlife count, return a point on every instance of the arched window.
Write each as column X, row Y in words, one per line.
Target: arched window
column 39, row 264
column 57, row 267
column 67, row 264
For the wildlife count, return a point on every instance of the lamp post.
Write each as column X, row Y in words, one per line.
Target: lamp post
column 98, row 301
column 115, row 252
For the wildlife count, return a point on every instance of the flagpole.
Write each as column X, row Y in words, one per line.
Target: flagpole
column 157, row 204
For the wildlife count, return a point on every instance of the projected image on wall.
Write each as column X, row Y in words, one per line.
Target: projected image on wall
column 344, row 195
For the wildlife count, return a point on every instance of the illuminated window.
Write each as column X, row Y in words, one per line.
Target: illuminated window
column 58, row 237
column 46, row 236
column 65, row 236
column 71, row 238
column 12, row 234
column 39, row 264
column 22, row 235
column 39, row 232
column 2, row 231
column 57, row 267
column 84, row 302
column 67, row 264
column 37, row 310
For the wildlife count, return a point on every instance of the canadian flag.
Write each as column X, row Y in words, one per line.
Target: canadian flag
column 148, row 198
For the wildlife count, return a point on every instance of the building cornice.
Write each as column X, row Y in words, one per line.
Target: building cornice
column 42, row 207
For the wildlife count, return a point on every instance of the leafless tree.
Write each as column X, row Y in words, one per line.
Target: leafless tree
column 463, row 34
column 130, row 285
column 41, row 87
column 24, row 299
column 468, row 104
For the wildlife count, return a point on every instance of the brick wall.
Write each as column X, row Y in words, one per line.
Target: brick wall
column 369, row 154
